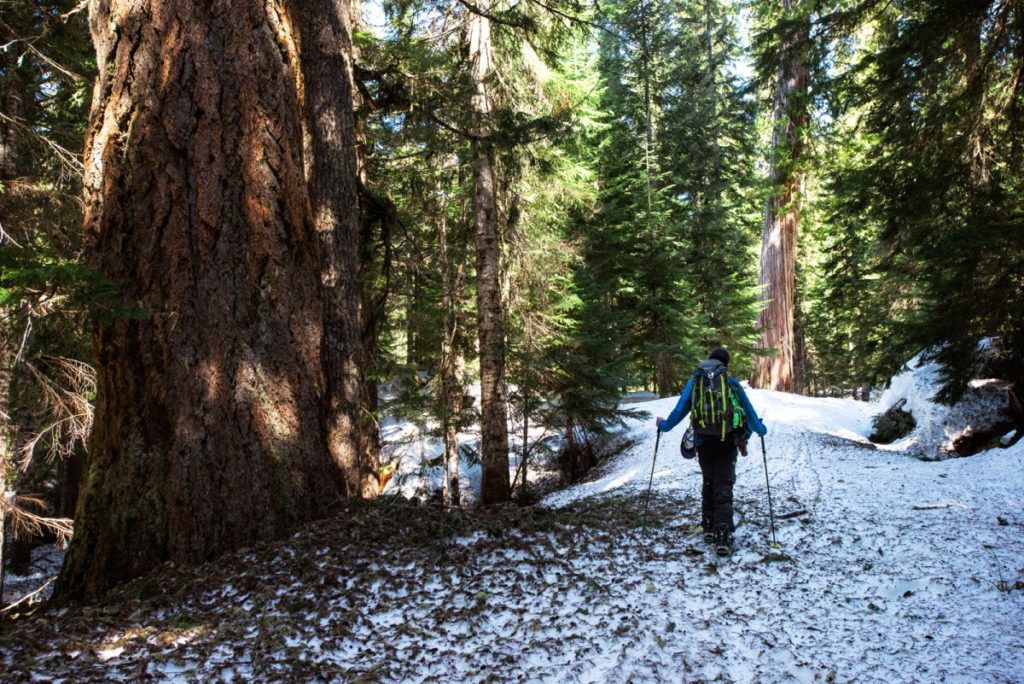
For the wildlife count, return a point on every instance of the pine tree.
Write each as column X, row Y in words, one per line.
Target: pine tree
column 789, row 51
column 679, row 271
column 710, row 152
column 636, row 250
column 940, row 92
column 211, row 422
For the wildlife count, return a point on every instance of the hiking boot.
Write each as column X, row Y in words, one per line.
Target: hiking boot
column 709, row 534
column 723, row 542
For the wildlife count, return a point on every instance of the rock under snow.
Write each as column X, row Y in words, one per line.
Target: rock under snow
column 946, row 431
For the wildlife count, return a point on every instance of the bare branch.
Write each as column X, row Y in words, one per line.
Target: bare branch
column 71, row 161
column 24, row 340
column 27, row 598
column 24, row 522
column 69, row 413
column 30, row 45
column 4, row 235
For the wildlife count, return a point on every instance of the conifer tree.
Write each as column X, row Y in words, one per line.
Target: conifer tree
column 789, row 50
column 637, row 245
column 216, row 418
column 46, row 296
column 940, row 96
column 680, row 271
column 710, row 152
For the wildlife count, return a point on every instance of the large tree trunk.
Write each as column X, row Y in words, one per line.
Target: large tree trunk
column 325, row 49
column 782, row 216
column 209, row 431
column 494, row 485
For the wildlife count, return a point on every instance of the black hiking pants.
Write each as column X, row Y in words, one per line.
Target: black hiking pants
column 718, row 467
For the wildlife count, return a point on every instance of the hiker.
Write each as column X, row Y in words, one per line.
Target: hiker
column 722, row 421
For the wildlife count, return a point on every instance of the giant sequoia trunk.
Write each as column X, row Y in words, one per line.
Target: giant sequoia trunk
column 782, row 215
column 209, row 430
column 494, row 486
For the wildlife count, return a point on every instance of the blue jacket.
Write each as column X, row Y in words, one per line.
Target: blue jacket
column 683, row 406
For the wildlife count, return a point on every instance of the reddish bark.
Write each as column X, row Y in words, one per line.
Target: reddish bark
column 209, row 429
column 325, row 48
column 782, row 218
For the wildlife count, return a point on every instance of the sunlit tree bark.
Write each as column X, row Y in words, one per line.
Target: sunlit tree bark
column 495, row 486
column 776, row 370
column 219, row 419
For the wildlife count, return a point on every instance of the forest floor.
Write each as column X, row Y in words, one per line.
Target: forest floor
column 888, row 569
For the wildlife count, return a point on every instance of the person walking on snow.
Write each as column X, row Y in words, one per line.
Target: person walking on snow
column 722, row 420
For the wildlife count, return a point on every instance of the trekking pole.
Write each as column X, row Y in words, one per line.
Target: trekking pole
column 771, row 514
column 647, row 502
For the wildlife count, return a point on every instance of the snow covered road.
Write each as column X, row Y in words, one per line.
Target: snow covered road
column 889, row 569
column 901, row 570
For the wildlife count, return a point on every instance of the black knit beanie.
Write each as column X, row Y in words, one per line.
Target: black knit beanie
column 721, row 355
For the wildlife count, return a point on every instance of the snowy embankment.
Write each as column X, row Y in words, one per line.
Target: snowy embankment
column 889, row 569
column 938, row 426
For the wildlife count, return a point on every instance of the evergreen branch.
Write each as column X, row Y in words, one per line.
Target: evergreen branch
column 452, row 129
column 579, row 20
column 525, row 25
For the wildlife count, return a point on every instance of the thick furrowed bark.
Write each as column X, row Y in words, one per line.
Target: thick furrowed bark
column 325, row 46
column 208, row 431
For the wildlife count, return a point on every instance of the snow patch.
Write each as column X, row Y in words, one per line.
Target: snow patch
column 938, row 425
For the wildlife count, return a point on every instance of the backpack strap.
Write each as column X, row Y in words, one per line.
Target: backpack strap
column 723, row 405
